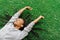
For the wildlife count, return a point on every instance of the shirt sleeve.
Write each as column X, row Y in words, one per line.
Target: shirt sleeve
column 29, row 27
column 14, row 17
column 26, row 30
column 10, row 22
column 21, row 35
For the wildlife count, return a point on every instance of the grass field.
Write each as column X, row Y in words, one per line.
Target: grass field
column 48, row 8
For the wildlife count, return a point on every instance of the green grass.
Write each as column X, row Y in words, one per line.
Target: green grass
column 48, row 8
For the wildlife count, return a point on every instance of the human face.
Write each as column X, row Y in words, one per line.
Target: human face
column 19, row 22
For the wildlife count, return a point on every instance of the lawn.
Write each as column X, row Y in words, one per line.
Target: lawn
column 50, row 9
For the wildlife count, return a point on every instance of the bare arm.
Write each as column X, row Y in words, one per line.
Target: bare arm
column 15, row 16
column 27, row 7
column 36, row 20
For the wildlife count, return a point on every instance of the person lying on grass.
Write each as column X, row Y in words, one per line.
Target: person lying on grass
column 11, row 30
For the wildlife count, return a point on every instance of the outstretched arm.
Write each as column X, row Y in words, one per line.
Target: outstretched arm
column 27, row 29
column 15, row 16
column 36, row 20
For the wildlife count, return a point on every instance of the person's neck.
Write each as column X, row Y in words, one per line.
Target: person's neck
column 17, row 27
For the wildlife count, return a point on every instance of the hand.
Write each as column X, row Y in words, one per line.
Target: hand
column 28, row 7
column 36, row 20
column 41, row 17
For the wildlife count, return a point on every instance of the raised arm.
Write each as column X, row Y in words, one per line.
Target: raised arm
column 15, row 16
column 27, row 29
column 36, row 20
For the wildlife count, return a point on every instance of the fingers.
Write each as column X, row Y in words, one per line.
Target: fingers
column 36, row 20
column 28, row 7
column 41, row 17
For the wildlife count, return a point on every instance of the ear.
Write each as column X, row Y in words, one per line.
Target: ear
column 21, row 25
